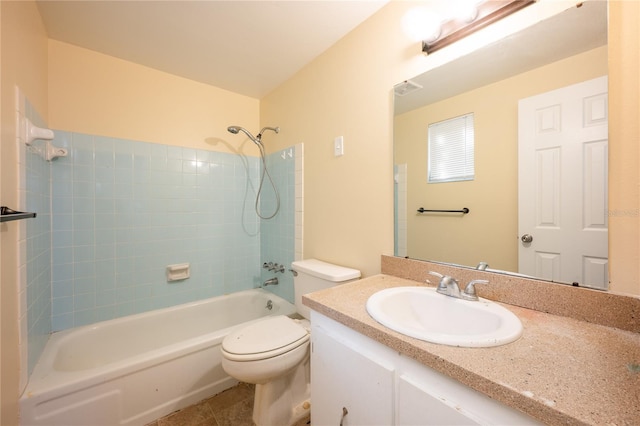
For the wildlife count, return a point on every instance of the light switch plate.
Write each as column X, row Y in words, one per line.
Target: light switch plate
column 338, row 146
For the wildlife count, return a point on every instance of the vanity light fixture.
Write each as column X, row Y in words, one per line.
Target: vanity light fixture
column 485, row 13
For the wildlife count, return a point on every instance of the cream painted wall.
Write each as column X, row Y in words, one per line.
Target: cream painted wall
column 490, row 232
column 79, row 90
column 1, row 130
column 97, row 94
column 346, row 91
column 23, row 63
column 624, row 151
column 348, row 208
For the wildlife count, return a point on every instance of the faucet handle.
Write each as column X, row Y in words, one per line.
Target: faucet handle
column 439, row 275
column 445, row 282
column 469, row 292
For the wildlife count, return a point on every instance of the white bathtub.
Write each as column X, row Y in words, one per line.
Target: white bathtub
column 135, row 369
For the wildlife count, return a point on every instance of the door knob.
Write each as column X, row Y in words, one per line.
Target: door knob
column 526, row 238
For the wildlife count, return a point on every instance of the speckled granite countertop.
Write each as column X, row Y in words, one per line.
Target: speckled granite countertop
column 562, row 371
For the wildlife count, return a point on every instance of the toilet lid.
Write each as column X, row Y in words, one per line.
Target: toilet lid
column 266, row 338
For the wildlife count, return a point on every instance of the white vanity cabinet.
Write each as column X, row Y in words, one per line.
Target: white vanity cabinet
column 375, row 385
column 344, row 377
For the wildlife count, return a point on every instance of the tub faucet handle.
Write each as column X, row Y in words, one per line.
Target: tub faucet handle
column 271, row 266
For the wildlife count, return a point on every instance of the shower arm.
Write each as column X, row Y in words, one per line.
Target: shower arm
column 273, row 129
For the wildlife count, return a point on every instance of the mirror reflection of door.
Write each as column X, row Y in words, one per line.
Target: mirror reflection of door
column 562, row 193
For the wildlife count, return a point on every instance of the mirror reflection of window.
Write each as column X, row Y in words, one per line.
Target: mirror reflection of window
column 451, row 150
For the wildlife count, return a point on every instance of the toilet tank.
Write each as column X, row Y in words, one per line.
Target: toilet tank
column 313, row 275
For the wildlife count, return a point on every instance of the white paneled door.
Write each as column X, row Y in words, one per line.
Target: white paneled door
column 562, row 184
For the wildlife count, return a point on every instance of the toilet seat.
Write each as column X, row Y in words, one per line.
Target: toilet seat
column 265, row 339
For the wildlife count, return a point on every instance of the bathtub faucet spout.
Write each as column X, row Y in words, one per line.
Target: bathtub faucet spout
column 270, row 281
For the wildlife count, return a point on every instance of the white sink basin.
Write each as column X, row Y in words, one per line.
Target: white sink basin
column 422, row 313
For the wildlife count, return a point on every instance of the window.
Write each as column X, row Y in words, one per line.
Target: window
column 451, row 150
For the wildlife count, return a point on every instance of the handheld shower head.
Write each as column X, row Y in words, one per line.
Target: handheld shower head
column 256, row 139
column 236, row 129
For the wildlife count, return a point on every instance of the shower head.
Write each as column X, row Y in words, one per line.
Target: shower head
column 256, row 139
column 236, row 129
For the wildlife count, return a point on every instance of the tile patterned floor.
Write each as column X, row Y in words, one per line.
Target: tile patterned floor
column 232, row 407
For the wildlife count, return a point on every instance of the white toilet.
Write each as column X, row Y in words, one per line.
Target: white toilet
column 274, row 353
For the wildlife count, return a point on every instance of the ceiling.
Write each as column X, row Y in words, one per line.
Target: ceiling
column 247, row 47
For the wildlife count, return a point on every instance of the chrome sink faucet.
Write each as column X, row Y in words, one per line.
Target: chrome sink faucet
column 449, row 286
column 482, row 266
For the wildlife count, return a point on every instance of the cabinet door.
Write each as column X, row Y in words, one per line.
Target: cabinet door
column 418, row 406
column 427, row 397
column 342, row 377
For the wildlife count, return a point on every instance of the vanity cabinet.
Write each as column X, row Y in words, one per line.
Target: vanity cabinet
column 345, row 379
column 358, row 381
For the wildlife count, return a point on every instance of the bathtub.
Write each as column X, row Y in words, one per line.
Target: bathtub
column 135, row 369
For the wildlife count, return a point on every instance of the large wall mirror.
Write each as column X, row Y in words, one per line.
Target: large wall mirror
column 566, row 49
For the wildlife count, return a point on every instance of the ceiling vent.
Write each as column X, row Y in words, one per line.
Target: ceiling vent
column 406, row 87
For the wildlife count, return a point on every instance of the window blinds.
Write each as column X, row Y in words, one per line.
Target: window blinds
column 451, row 150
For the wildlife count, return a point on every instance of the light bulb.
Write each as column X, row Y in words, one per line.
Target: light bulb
column 466, row 10
column 420, row 23
column 470, row 14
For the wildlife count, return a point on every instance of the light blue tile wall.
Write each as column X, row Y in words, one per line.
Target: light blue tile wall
column 123, row 210
column 278, row 234
column 38, row 246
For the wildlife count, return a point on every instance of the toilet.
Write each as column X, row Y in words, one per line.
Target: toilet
column 273, row 353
